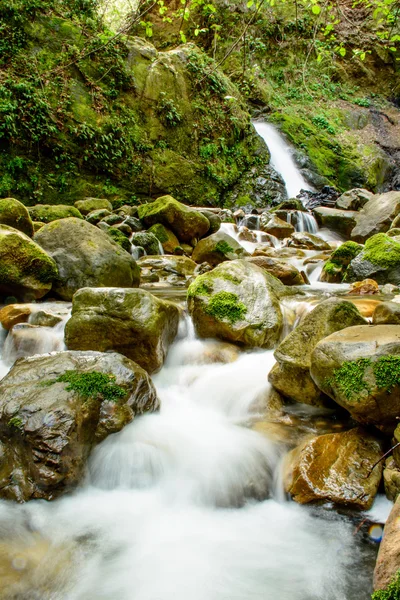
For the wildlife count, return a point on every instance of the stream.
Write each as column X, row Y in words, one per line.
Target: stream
column 188, row 503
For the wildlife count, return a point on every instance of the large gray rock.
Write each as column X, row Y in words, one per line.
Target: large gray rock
column 217, row 248
column 238, row 302
column 354, row 199
column 379, row 260
column 55, row 408
column 132, row 322
column 359, row 368
column 376, row 216
column 86, row 256
column 291, row 374
column 338, row 220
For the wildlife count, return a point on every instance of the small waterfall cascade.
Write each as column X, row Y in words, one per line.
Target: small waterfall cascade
column 282, row 158
column 302, row 221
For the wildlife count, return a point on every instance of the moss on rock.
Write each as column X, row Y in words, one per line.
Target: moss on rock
column 14, row 214
column 46, row 213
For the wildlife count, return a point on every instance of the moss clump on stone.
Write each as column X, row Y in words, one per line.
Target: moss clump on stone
column 203, row 284
column 349, row 378
column 382, row 250
column 346, row 252
column 92, row 385
column 119, row 238
column 47, row 213
column 160, row 232
column 387, row 372
column 225, row 305
column 198, row 288
column 392, row 592
column 16, row 423
column 332, row 268
column 224, row 248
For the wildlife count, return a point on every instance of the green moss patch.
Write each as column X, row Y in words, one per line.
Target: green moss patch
column 387, row 372
column 93, row 385
column 392, row 592
column 225, row 305
column 224, row 248
column 382, row 250
column 350, row 377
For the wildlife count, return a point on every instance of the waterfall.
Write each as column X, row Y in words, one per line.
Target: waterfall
column 302, row 221
column 282, row 158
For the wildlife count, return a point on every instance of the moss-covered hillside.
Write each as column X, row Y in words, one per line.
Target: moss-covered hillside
column 83, row 113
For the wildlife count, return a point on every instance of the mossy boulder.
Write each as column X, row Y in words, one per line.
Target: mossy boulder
column 88, row 205
column 97, row 215
column 291, row 204
column 391, row 479
column 359, row 368
column 387, row 313
column 217, row 248
column 14, row 214
column 308, row 241
column 46, row 213
column 334, row 270
column 214, row 220
column 237, row 302
column 148, row 241
column 167, row 239
column 380, row 260
column 26, row 270
column 291, row 374
column 119, row 238
column 338, row 220
column 86, row 256
column 71, row 401
column 132, row 322
column 275, row 226
column 376, row 216
column 354, row 199
column 280, row 269
column 167, row 269
column 335, row 467
column 186, row 223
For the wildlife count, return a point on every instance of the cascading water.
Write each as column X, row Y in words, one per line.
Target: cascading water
column 302, row 221
column 282, row 158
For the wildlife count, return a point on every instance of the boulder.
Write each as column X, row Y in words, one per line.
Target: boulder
column 119, row 238
column 217, row 248
column 87, row 205
column 26, row 270
column 380, row 260
column 291, row 204
column 376, row 216
column 386, row 313
column 388, row 561
column 354, row 199
column 113, row 219
column 367, row 287
column 291, row 374
column 148, row 241
column 335, row 467
column 237, row 302
column 167, row 239
column 213, row 219
column 132, row 322
column 97, row 215
column 275, row 226
column 13, row 314
column 14, row 214
column 185, row 222
column 359, row 368
column 54, row 409
column 335, row 268
column 86, row 256
column 173, row 270
column 338, row 220
column 283, row 271
column 308, row 241
column 391, row 479
column 46, row 213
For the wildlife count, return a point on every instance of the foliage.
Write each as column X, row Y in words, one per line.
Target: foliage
column 225, row 305
column 93, row 385
column 392, row 592
column 168, row 111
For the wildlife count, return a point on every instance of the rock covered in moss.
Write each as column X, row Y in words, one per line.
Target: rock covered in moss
column 97, row 215
column 238, row 302
column 132, row 322
column 335, row 467
column 359, row 368
column 217, row 248
column 86, row 256
column 376, row 216
column 275, row 226
column 26, row 270
column 46, row 213
column 391, row 479
column 119, row 238
column 87, row 205
column 148, row 241
column 291, row 374
column 354, row 199
column 338, row 220
column 291, row 204
column 186, row 223
column 213, row 219
column 308, row 241
column 14, row 214
column 334, row 270
column 387, row 313
column 167, row 239
column 380, row 260
column 283, row 271
column 71, row 401
column 173, row 270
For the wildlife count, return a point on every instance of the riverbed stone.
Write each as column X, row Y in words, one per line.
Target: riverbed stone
column 359, row 368
column 27, row 272
column 49, row 426
column 280, row 269
column 275, row 226
column 338, row 220
column 87, row 205
column 86, row 256
column 335, row 467
column 166, row 237
column 386, row 313
column 237, row 302
column 354, row 199
column 217, row 248
column 391, row 479
column 46, row 213
column 172, row 270
column 376, row 216
column 308, row 241
column 186, row 222
column 388, row 560
column 291, row 373
column 379, row 260
column 97, row 215
column 13, row 314
column 335, row 268
column 14, row 214
column 132, row 322
column 148, row 241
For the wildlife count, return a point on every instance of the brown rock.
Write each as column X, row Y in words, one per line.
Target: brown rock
column 388, row 561
column 362, row 288
column 283, row 271
column 13, row 314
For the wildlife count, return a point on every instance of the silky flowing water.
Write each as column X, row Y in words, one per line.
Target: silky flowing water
column 188, row 503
